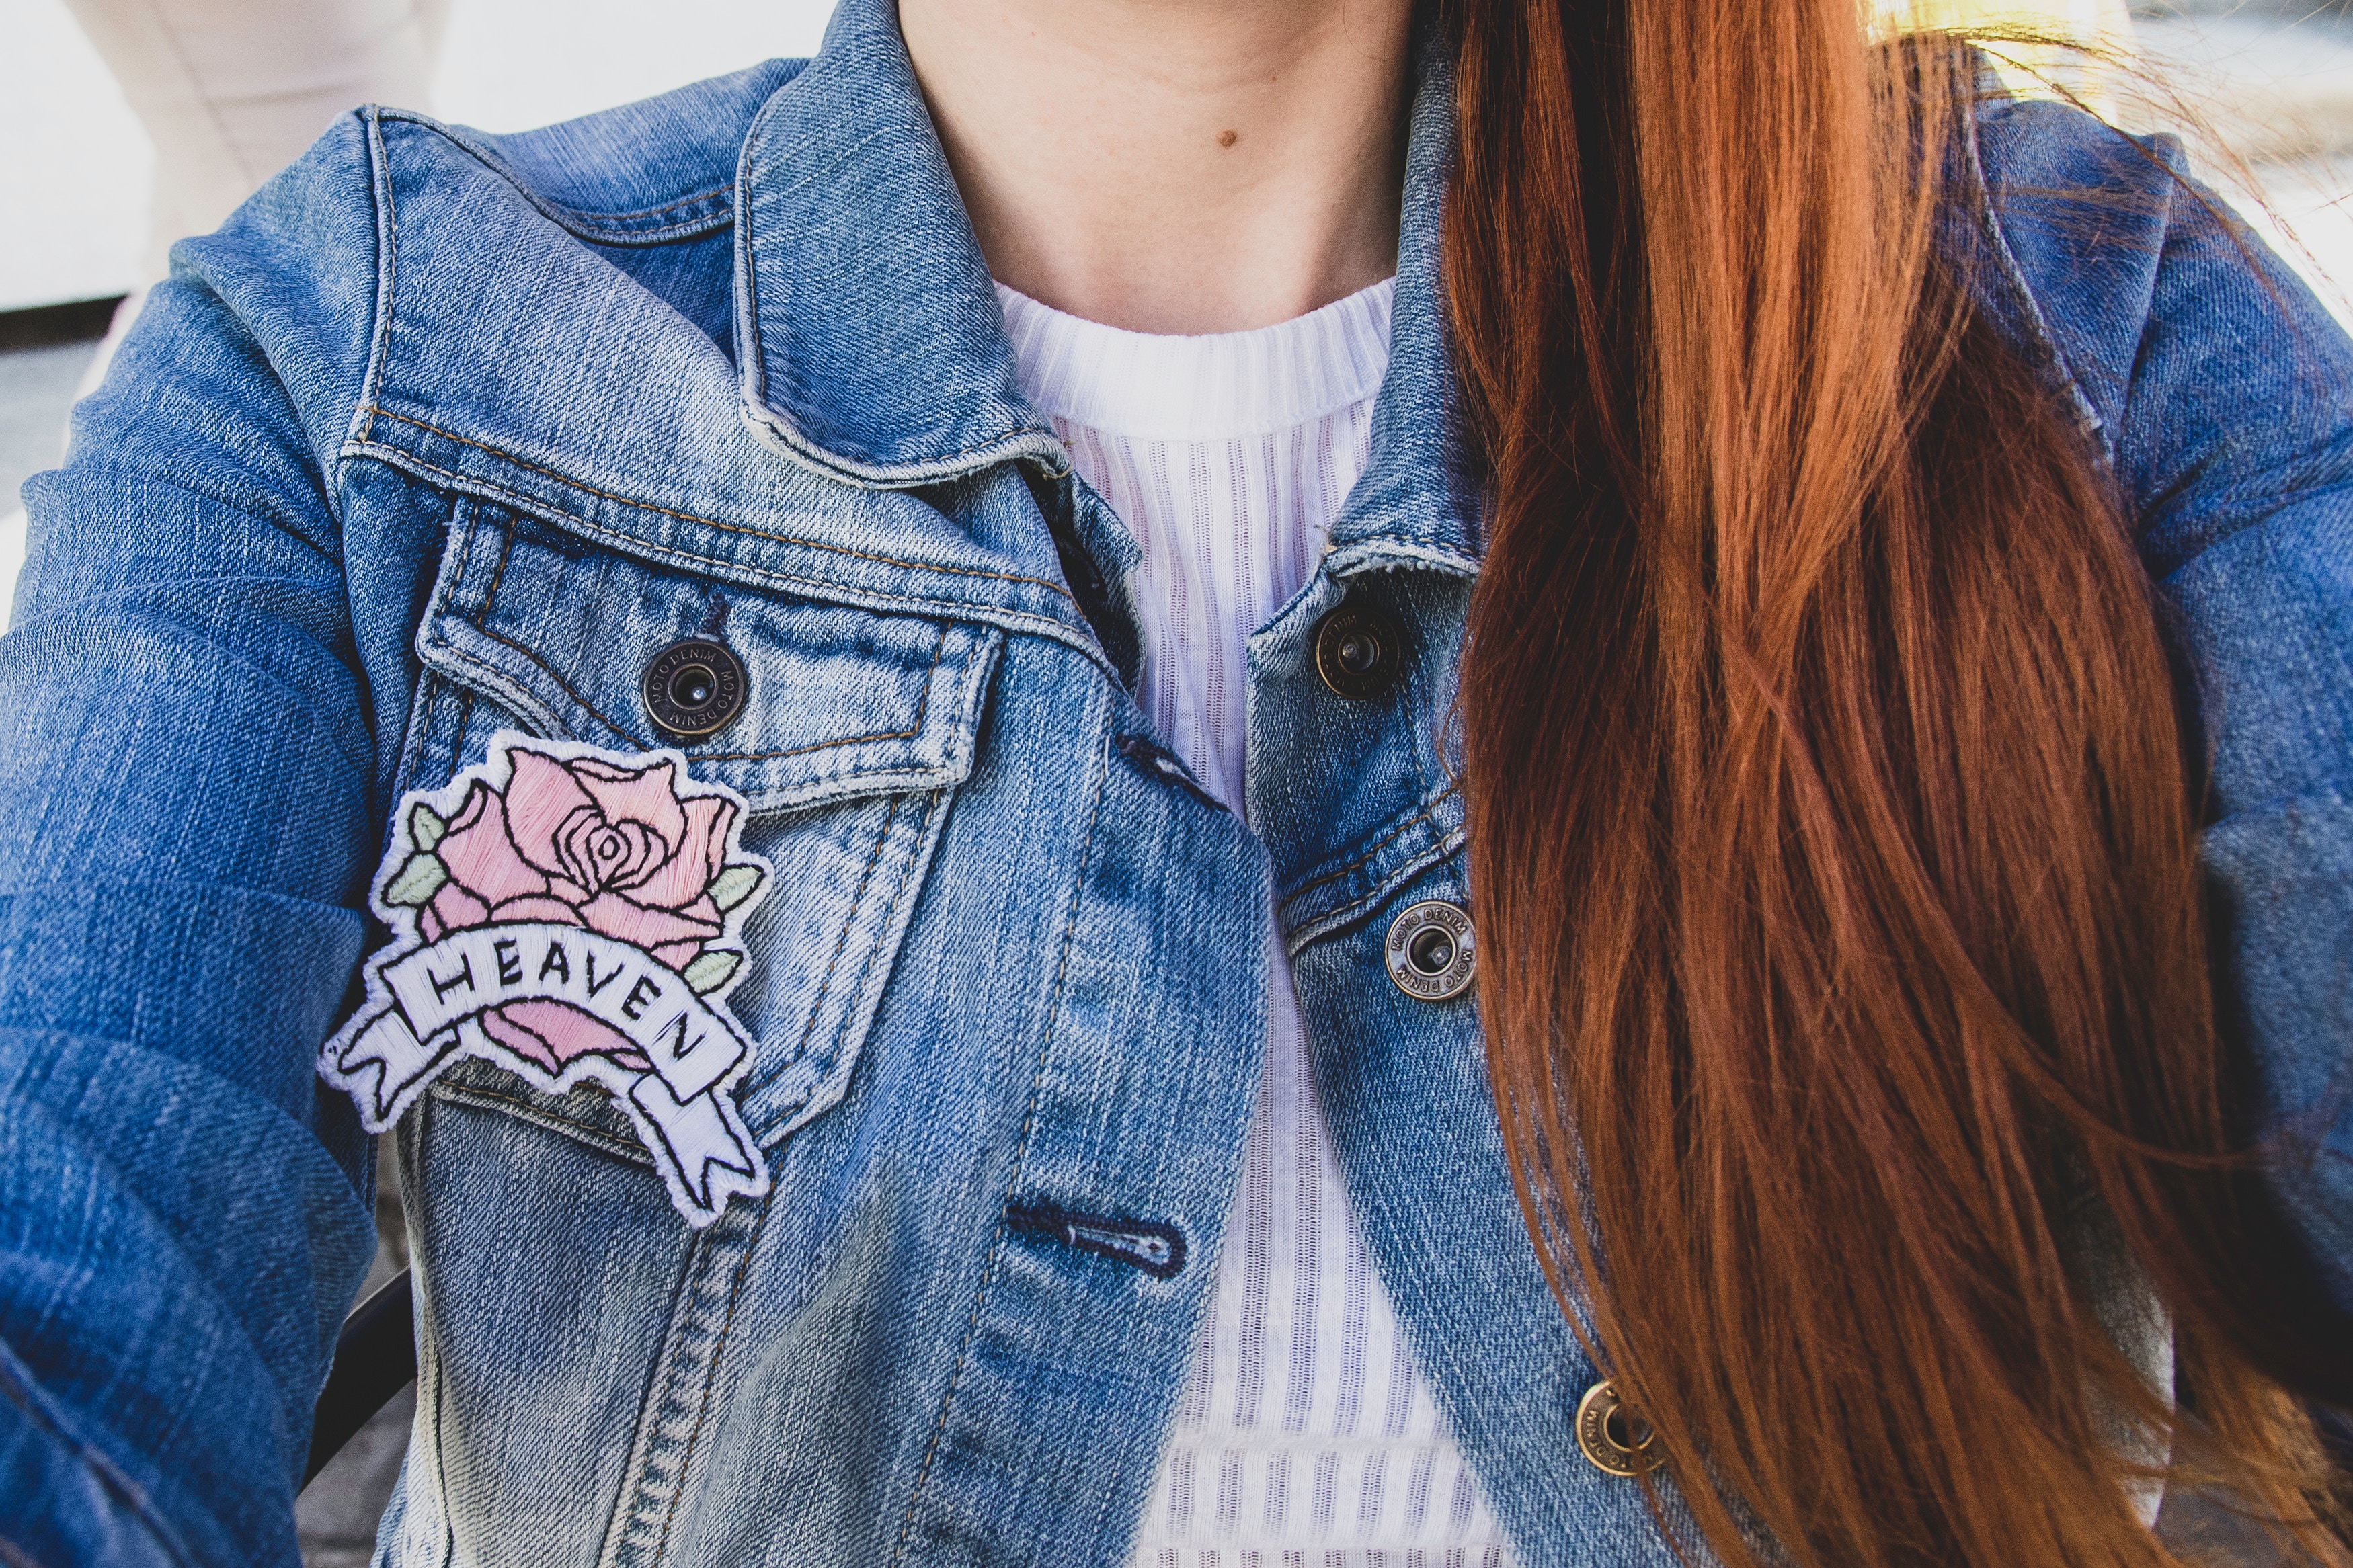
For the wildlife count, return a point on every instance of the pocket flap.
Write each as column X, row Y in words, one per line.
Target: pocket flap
column 838, row 701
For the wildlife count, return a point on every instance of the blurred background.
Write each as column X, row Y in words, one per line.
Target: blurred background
column 127, row 124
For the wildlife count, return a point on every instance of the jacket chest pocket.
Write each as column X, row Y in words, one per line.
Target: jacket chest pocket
column 844, row 731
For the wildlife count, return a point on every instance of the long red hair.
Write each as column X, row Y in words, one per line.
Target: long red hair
column 1833, row 857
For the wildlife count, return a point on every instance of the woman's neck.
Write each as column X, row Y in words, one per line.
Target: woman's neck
column 1173, row 165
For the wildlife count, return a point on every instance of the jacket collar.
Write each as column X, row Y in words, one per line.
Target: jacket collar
column 1418, row 500
column 872, row 348
column 870, row 341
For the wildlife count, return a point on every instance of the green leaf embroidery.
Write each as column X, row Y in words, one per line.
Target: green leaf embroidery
column 418, row 881
column 712, row 971
column 735, row 885
column 426, row 827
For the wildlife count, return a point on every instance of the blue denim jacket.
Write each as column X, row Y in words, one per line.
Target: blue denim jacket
column 447, row 435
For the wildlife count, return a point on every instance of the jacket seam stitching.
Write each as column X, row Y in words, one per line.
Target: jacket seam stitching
column 715, row 194
column 588, row 1133
column 791, row 1117
column 918, row 778
column 890, row 913
column 939, row 650
column 589, row 217
column 542, row 664
column 1028, row 1125
column 1298, row 939
column 629, row 1504
column 1029, row 622
column 470, row 509
column 711, row 1377
column 848, row 922
column 800, row 751
column 713, row 522
column 498, row 575
column 387, row 274
column 1386, row 839
column 418, row 1128
column 521, row 701
column 751, row 379
column 921, row 470
column 498, row 572
column 421, row 709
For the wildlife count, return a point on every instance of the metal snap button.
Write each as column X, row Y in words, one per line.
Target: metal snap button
column 1612, row 1438
column 1428, row 951
column 1359, row 651
column 694, row 688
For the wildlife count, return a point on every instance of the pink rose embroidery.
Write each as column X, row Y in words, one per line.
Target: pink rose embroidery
column 573, row 916
column 582, row 842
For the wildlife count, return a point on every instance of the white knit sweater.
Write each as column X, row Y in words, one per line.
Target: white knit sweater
column 1304, row 1437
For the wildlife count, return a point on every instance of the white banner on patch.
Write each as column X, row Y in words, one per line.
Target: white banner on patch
column 387, row 1055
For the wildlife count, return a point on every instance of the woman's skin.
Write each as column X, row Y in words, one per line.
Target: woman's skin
column 1173, row 165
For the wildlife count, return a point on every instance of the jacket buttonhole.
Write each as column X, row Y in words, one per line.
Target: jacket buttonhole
column 1154, row 1246
column 1157, row 761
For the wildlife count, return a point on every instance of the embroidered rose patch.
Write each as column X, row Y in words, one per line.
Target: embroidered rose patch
column 570, row 915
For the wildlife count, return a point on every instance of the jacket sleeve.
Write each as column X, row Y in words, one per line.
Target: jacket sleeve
column 186, row 820
column 2228, row 410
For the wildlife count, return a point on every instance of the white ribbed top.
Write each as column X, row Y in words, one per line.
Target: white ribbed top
column 1208, row 390
column 1304, row 1439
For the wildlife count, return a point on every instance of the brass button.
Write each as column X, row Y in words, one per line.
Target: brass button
column 1428, row 951
column 1612, row 1438
column 1359, row 651
column 694, row 688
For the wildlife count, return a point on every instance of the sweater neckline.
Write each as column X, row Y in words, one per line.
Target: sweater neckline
column 1214, row 387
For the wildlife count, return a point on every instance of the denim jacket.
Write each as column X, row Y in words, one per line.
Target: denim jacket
column 446, row 436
